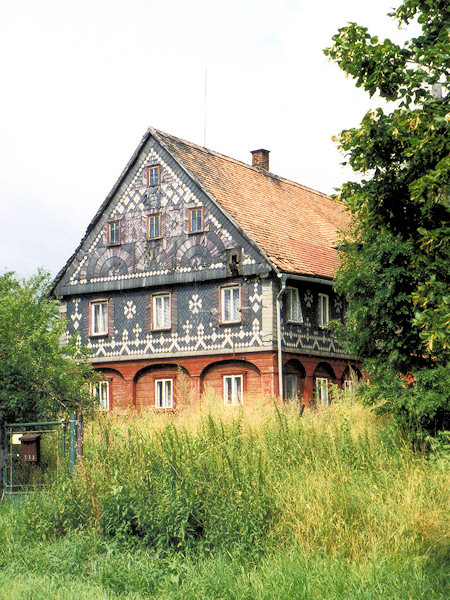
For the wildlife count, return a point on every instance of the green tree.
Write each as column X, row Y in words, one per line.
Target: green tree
column 39, row 378
column 395, row 254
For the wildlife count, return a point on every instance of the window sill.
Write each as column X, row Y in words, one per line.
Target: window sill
column 156, row 329
column 225, row 323
column 99, row 335
column 155, row 239
column 196, row 232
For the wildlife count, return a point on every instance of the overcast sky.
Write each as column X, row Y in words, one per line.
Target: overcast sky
column 81, row 80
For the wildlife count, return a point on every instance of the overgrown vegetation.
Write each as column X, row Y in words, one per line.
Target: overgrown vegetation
column 236, row 504
column 39, row 378
column 395, row 254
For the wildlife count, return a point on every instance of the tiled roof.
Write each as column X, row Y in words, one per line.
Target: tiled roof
column 295, row 227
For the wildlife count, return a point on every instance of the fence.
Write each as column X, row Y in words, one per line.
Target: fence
column 31, row 453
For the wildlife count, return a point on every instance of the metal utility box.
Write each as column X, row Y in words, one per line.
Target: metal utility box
column 30, row 445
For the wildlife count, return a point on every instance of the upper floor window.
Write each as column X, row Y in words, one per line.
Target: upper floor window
column 114, row 232
column 232, row 390
column 322, row 391
column 98, row 317
column 324, row 310
column 231, row 304
column 153, row 176
column 100, row 394
column 164, row 393
column 161, row 311
column 294, row 308
column 153, row 226
column 195, row 220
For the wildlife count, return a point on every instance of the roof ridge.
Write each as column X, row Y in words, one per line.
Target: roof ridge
column 240, row 162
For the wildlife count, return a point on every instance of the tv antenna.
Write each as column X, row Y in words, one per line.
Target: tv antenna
column 204, row 116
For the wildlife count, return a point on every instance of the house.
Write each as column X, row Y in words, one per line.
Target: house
column 201, row 268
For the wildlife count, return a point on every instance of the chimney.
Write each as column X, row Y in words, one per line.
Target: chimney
column 260, row 159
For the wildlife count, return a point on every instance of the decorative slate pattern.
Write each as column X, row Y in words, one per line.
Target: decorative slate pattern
column 308, row 335
column 196, row 327
column 177, row 250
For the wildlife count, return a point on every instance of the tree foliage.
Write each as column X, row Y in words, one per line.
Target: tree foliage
column 39, row 378
column 395, row 255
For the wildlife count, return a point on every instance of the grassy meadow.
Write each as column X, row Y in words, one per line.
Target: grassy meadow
column 255, row 503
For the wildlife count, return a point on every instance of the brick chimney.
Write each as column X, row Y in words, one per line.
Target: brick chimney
column 260, row 159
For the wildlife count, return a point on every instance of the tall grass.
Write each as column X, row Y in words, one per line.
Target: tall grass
column 247, row 503
column 333, row 481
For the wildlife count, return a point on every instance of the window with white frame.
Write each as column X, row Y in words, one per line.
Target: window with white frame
column 153, row 226
column 324, row 310
column 161, row 311
column 231, row 304
column 232, row 390
column 114, row 232
column 290, row 384
column 100, row 394
column 164, row 393
column 294, row 308
column 98, row 317
column 153, row 176
column 195, row 220
column 322, row 390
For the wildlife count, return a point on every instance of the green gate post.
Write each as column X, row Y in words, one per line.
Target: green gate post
column 63, row 442
column 72, row 441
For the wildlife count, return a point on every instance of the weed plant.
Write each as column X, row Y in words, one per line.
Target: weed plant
column 248, row 503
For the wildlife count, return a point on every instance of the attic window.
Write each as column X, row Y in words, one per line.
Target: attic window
column 195, row 220
column 153, row 176
column 114, row 232
column 153, row 227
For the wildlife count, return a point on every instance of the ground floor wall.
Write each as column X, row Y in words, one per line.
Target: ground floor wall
column 239, row 378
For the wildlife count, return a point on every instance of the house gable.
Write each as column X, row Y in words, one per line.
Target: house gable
column 177, row 254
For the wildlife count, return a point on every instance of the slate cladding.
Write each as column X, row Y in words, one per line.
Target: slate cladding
column 258, row 231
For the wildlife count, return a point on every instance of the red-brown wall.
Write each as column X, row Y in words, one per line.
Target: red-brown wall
column 132, row 383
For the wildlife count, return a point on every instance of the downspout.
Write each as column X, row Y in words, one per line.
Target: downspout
column 283, row 279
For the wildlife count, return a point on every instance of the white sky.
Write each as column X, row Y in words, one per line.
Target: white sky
column 81, row 80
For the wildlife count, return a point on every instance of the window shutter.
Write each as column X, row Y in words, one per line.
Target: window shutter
column 246, row 311
column 148, row 314
column 174, row 300
column 111, row 317
column 86, row 312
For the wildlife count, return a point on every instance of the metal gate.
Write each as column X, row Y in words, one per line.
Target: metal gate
column 32, row 453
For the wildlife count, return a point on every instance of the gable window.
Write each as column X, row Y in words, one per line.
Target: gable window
column 232, row 390
column 294, row 308
column 100, row 394
column 231, row 304
column 153, row 226
column 113, row 232
column 161, row 311
column 322, row 391
column 290, row 382
column 324, row 310
column 164, row 393
column 153, row 176
column 195, row 220
column 98, row 321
